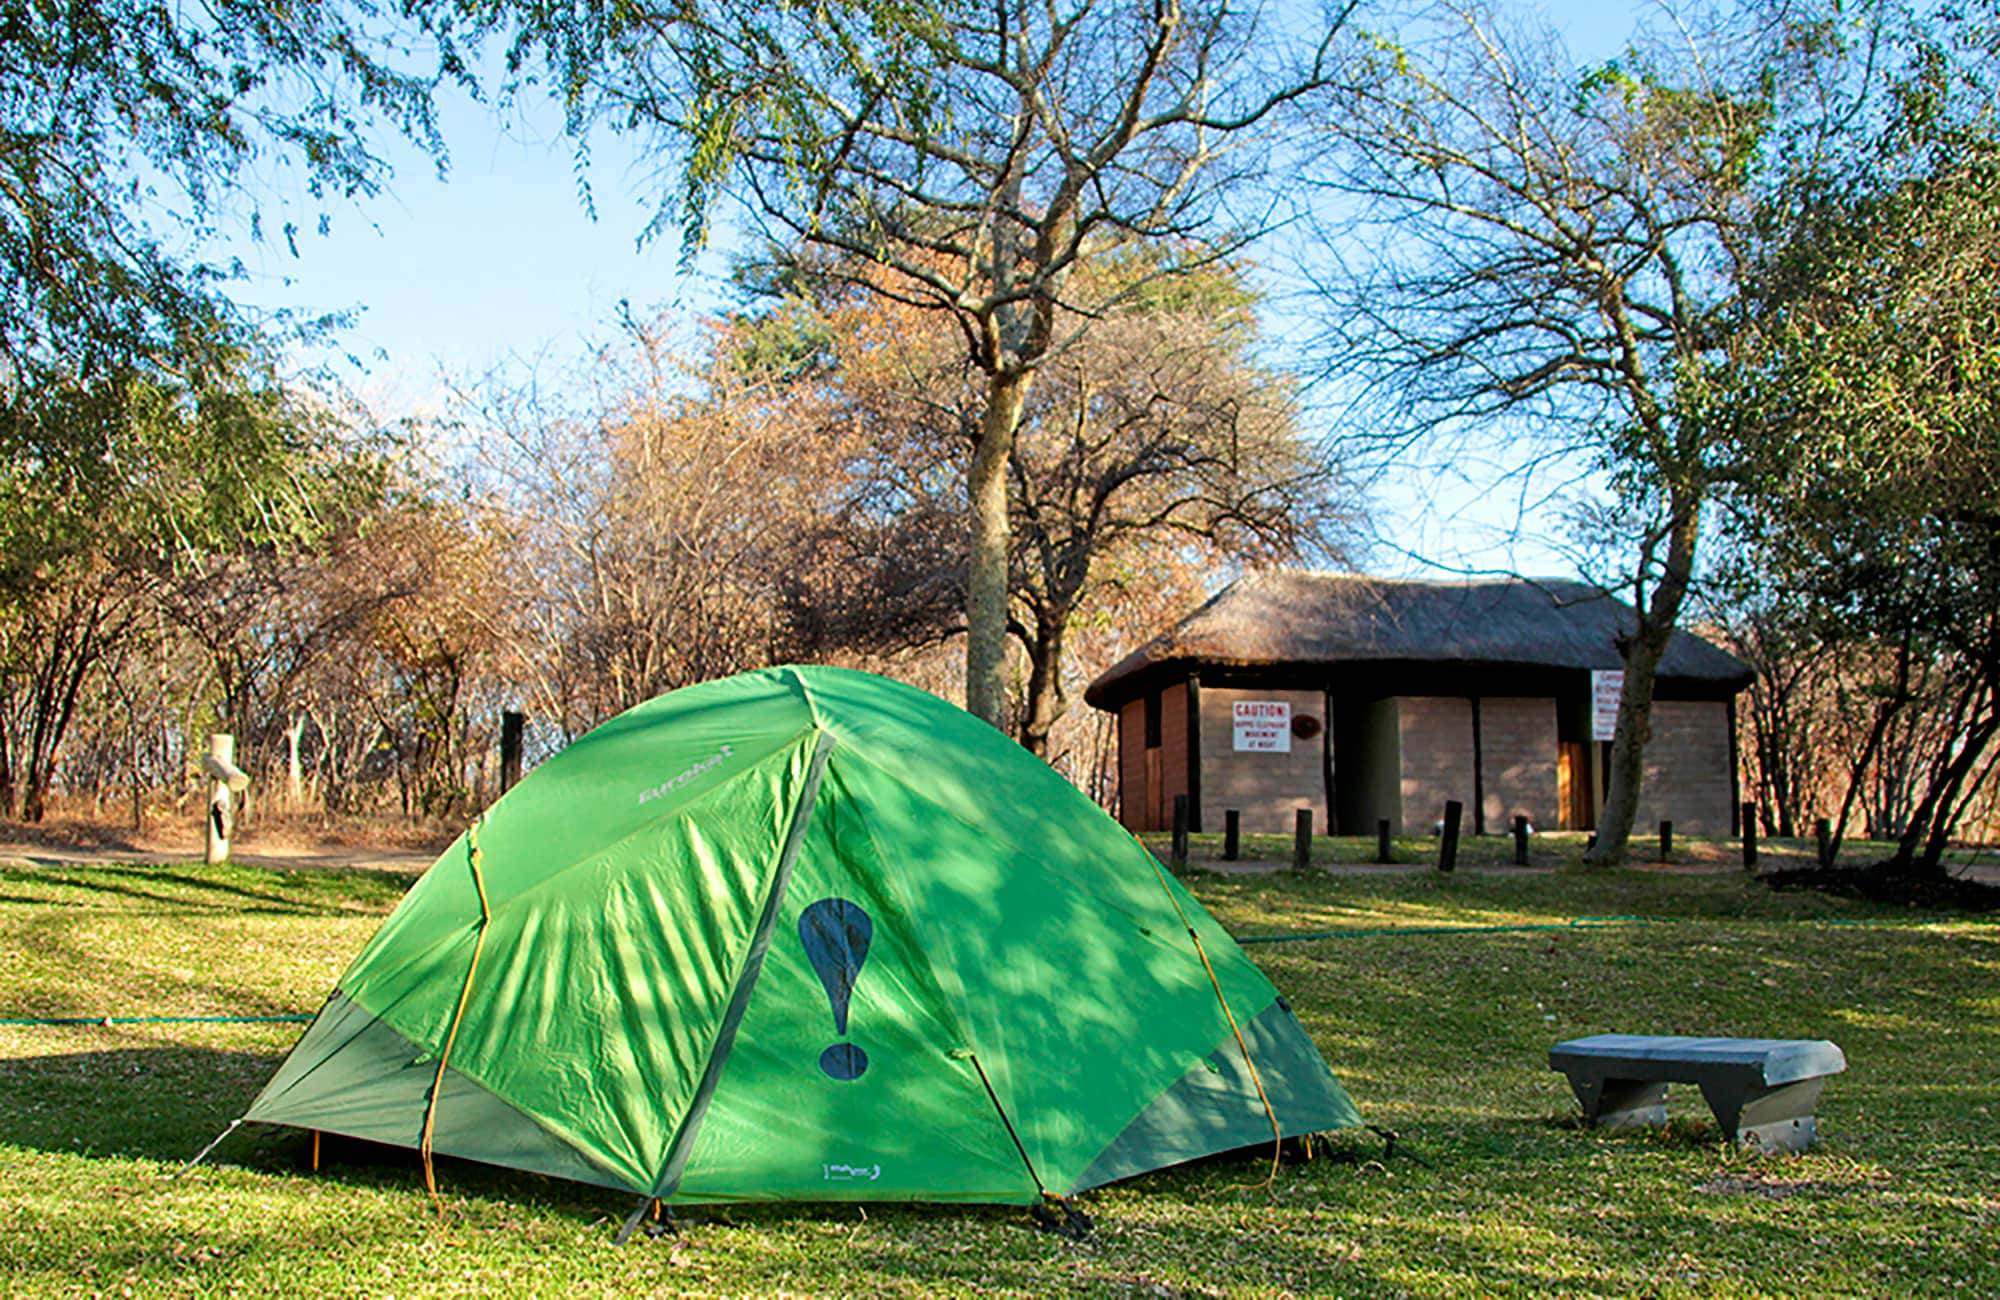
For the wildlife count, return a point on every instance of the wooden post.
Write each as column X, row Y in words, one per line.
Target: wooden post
column 511, row 724
column 1520, row 840
column 1666, row 841
column 1454, row 811
column 1180, row 830
column 1749, row 837
column 1384, row 851
column 224, row 778
column 1302, row 840
column 1232, row 825
column 1823, row 833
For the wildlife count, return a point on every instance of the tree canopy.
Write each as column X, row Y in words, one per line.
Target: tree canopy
column 969, row 162
column 1867, row 411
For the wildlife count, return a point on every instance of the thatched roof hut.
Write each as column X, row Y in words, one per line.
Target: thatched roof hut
column 1293, row 619
column 1367, row 699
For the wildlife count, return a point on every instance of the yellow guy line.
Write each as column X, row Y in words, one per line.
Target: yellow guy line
column 1277, row 1134
column 464, row 995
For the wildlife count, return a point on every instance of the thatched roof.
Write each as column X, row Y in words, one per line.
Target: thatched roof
column 1293, row 618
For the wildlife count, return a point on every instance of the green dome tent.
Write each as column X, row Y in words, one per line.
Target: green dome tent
column 804, row 934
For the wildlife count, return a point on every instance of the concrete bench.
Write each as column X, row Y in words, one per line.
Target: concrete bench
column 1762, row 1090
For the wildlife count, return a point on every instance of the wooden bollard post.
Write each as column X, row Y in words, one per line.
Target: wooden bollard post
column 1384, row 851
column 1666, row 841
column 1749, row 812
column 1180, row 830
column 1232, row 827
column 224, row 779
column 1520, row 840
column 511, row 725
column 1302, row 840
column 1823, row 833
column 1448, row 844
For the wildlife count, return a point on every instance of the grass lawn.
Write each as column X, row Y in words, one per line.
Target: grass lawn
column 1442, row 1037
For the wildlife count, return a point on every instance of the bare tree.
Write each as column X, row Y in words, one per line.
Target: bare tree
column 1566, row 252
column 663, row 497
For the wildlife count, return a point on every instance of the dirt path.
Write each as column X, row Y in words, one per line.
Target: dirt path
column 336, row 857
column 317, row 858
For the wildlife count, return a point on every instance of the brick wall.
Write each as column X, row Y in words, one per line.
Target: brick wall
column 1437, row 759
column 1517, row 746
column 1132, row 766
column 1687, row 769
column 1267, row 789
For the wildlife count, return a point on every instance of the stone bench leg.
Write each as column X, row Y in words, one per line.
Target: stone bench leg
column 1769, row 1119
column 1619, row 1103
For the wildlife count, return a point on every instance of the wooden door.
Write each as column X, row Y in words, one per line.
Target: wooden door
column 1574, row 792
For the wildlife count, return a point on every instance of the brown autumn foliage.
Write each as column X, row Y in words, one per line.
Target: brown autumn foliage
column 1152, row 456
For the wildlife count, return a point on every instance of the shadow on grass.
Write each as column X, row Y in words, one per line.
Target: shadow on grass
column 166, row 1103
column 155, row 1103
column 318, row 891
column 1286, row 904
column 97, row 982
column 163, row 1104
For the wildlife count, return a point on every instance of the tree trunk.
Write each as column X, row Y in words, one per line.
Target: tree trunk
column 986, row 585
column 138, row 784
column 1046, row 702
column 58, row 687
column 1930, row 826
column 1884, row 714
column 10, row 805
column 1656, row 623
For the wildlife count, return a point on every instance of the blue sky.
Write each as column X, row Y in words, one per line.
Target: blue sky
column 499, row 262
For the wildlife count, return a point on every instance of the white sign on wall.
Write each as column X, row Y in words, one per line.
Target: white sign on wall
column 1263, row 726
column 1605, row 690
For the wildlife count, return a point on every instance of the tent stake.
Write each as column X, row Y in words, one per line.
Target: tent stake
column 632, row 1220
column 315, row 1167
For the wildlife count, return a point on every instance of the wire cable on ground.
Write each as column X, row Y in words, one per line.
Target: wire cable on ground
column 1607, row 922
column 1574, row 923
column 157, row 1020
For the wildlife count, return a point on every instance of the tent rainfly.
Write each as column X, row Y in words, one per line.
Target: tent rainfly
column 804, row 934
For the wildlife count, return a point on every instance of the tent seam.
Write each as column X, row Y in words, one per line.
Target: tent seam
column 568, row 1142
column 428, row 1047
column 681, row 1148
column 703, row 797
column 460, row 935
column 959, row 1023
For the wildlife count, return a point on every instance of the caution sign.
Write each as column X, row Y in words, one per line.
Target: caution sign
column 1605, row 690
column 1263, row 726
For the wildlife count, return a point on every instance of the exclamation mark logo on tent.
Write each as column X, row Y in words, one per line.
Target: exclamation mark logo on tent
column 835, row 933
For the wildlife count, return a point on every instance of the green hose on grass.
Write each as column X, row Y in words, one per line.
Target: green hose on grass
column 1574, row 923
